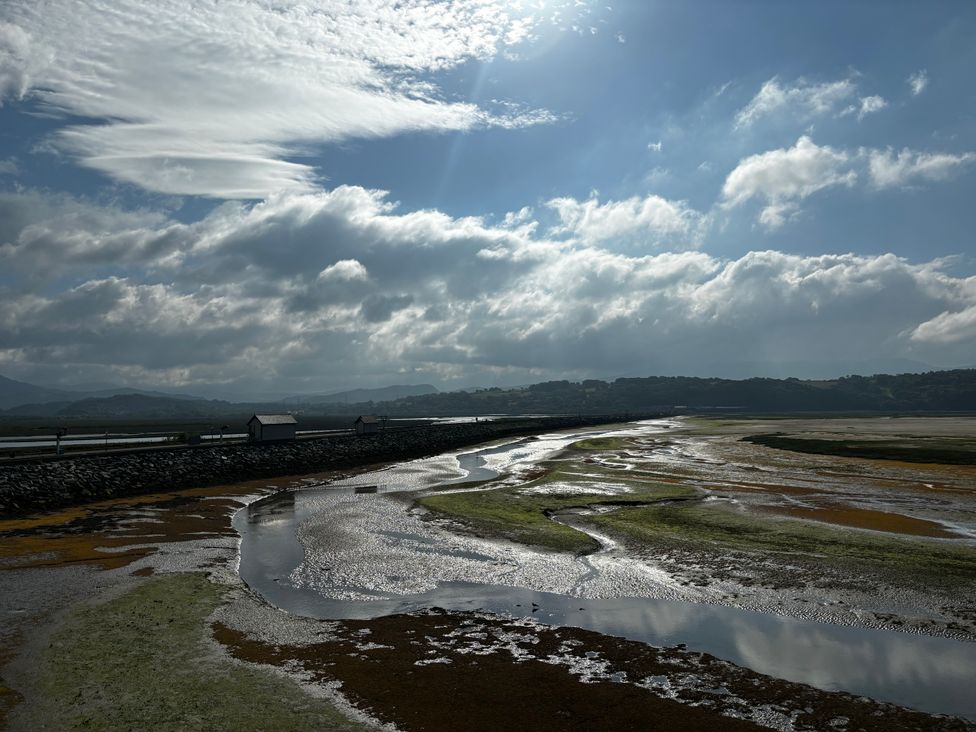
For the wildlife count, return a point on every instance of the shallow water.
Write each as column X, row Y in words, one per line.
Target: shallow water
column 339, row 552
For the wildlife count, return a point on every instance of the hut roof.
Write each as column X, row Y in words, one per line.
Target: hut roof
column 273, row 419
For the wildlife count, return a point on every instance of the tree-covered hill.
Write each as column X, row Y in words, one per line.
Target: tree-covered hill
column 933, row 391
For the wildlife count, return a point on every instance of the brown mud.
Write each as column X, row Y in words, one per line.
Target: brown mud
column 449, row 671
column 115, row 533
column 864, row 518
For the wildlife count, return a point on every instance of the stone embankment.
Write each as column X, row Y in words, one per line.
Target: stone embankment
column 30, row 487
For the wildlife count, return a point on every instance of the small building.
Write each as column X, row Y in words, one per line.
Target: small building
column 367, row 424
column 271, row 427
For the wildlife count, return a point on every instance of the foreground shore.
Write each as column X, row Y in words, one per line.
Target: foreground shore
column 130, row 613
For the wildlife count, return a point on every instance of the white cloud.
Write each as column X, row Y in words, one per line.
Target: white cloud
column 948, row 327
column 917, row 82
column 803, row 99
column 888, row 169
column 651, row 220
column 782, row 177
column 870, row 105
column 655, row 146
column 343, row 270
column 864, row 107
column 304, row 287
column 9, row 167
column 213, row 98
column 16, row 62
column 42, row 235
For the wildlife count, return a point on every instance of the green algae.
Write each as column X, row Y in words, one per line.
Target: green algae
column 717, row 528
column 143, row 661
column 913, row 449
column 521, row 513
column 601, row 443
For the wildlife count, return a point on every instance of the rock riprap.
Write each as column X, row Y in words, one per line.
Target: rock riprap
column 45, row 484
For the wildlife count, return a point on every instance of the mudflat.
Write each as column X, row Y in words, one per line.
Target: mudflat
column 133, row 612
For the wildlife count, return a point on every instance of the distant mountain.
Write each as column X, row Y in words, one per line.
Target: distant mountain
column 122, row 391
column 22, row 394
column 354, row 396
column 13, row 393
column 142, row 406
column 36, row 409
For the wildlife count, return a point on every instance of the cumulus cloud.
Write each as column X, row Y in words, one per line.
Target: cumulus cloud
column 781, row 178
column 650, row 220
column 889, row 169
column 343, row 270
column 948, row 327
column 784, row 177
column 42, row 235
column 801, row 98
column 308, row 288
column 917, row 82
column 213, row 99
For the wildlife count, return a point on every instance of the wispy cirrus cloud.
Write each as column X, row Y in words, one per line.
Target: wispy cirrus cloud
column 213, row 99
column 866, row 106
column 804, row 100
column 801, row 98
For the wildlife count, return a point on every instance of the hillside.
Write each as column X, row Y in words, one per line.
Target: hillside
column 361, row 396
column 143, row 406
column 933, row 391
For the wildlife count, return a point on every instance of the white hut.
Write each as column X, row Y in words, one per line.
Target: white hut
column 271, row 427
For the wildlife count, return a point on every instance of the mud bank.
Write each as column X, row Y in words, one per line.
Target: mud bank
column 43, row 486
column 505, row 673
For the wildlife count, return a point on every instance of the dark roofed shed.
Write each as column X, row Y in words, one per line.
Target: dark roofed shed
column 271, row 427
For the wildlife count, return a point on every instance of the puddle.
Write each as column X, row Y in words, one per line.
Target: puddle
column 340, row 553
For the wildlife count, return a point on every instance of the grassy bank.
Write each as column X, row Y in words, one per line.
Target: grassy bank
column 142, row 661
column 520, row 513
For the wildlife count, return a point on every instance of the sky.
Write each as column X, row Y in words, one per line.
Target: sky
column 256, row 198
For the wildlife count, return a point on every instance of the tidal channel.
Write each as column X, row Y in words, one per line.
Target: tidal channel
column 354, row 549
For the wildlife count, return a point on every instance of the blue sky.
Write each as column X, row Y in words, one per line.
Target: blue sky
column 268, row 198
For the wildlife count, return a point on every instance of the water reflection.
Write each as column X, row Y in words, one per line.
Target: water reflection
column 356, row 541
column 932, row 674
